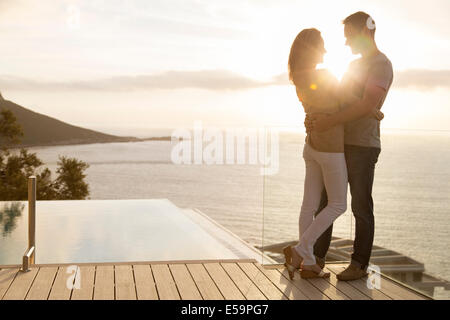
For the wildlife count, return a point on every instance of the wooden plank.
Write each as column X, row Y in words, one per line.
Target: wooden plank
column 165, row 284
column 223, row 282
column 104, row 283
column 40, row 289
column 145, row 285
column 7, row 276
column 347, row 289
column 304, row 286
column 247, row 287
column 186, row 285
column 361, row 285
column 286, row 286
column 86, row 278
column 328, row 289
column 125, row 289
column 117, row 263
column 19, row 287
column 205, row 284
column 397, row 292
column 61, row 289
column 263, row 283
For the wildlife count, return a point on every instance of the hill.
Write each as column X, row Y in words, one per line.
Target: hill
column 42, row 130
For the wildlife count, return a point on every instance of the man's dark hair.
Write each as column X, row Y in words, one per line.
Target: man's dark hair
column 360, row 20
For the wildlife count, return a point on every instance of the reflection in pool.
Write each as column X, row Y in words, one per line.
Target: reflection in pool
column 9, row 212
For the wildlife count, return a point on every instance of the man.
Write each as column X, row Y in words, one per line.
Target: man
column 364, row 87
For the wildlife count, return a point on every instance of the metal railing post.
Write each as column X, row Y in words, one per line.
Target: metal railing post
column 30, row 254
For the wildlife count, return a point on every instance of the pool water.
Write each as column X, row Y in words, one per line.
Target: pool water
column 115, row 231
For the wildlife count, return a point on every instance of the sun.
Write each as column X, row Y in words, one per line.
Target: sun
column 338, row 56
column 337, row 64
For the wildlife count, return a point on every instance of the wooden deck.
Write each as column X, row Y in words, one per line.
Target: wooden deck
column 208, row 280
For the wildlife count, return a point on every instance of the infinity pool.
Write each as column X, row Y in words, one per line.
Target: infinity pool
column 115, row 231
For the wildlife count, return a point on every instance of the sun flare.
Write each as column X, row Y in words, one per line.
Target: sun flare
column 337, row 63
column 338, row 56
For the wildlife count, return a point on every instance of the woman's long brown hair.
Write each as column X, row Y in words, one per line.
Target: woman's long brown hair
column 303, row 49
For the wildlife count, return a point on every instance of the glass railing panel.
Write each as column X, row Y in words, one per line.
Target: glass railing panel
column 411, row 195
column 144, row 206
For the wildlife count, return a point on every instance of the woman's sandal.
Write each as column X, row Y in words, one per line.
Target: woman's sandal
column 311, row 274
column 288, row 261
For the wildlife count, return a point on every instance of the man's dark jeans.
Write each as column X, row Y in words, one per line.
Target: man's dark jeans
column 361, row 168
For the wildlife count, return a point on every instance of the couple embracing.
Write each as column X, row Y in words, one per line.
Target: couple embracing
column 342, row 144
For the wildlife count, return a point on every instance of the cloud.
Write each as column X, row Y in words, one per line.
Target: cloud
column 215, row 80
column 422, row 79
column 281, row 79
column 203, row 79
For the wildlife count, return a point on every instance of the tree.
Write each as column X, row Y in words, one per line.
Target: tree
column 16, row 168
column 10, row 130
column 8, row 216
column 70, row 182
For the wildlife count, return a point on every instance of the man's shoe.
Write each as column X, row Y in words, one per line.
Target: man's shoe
column 352, row 272
column 320, row 262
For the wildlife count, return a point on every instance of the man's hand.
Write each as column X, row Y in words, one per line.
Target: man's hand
column 361, row 108
column 317, row 122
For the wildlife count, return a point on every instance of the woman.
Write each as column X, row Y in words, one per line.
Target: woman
column 323, row 153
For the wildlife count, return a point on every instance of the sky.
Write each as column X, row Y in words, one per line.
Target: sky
column 134, row 65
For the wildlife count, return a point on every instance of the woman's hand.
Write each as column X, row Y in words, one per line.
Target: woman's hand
column 317, row 122
column 308, row 123
column 377, row 114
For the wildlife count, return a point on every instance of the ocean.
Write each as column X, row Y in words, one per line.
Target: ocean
column 411, row 191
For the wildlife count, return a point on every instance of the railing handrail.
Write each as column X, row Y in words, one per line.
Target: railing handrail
column 30, row 253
